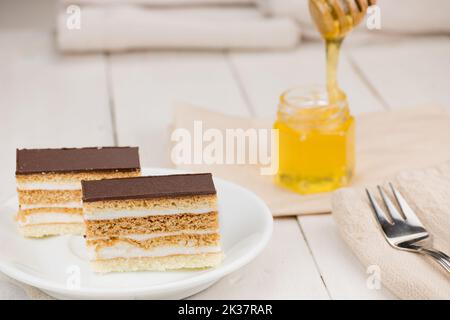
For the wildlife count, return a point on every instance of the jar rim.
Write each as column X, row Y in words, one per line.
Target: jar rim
column 314, row 95
column 309, row 105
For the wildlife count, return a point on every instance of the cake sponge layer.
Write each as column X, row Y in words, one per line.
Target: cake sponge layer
column 181, row 203
column 73, row 177
column 188, row 261
column 51, row 229
column 62, row 209
column 48, row 196
column 187, row 240
column 151, row 224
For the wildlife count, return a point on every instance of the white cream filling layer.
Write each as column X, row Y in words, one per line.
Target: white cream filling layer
column 125, row 250
column 70, row 205
column 138, row 213
column 48, row 186
column 143, row 237
column 43, row 218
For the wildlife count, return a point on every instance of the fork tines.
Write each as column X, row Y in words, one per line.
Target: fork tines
column 393, row 214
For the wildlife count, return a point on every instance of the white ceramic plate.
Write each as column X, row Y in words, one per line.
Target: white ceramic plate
column 59, row 266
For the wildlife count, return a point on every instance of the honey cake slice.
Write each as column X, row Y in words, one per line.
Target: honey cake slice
column 49, row 184
column 152, row 223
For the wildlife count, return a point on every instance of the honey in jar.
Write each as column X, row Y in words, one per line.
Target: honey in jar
column 316, row 140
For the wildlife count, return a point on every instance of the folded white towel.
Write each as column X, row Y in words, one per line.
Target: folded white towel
column 287, row 8
column 400, row 16
column 128, row 27
column 162, row 2
column 415, row 16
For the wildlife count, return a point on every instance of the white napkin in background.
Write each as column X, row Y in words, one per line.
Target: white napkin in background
column 163, row 2
column 130, row 27
column 118, row 25
column 397, row 17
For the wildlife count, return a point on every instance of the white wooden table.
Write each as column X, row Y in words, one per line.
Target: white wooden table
column 51, row 100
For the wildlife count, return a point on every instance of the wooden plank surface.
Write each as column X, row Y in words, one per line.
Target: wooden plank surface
column 48, row 100
column 146, row 85
column 284, row 270
column 265, row 75
column 341, row 271
column 408, row 72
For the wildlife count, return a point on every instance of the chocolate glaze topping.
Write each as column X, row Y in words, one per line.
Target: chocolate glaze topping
column 29, row 161
column 170, row 186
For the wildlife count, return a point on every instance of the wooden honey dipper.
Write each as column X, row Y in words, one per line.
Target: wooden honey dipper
column 335, row 18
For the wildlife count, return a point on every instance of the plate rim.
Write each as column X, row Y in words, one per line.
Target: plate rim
column 190, row 282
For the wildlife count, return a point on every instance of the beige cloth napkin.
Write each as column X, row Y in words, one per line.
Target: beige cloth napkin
column 407, row 275
column 387, row 142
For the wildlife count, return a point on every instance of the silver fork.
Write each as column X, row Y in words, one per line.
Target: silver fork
column 403, row 229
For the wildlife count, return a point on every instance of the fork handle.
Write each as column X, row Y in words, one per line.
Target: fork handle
column 440, row 257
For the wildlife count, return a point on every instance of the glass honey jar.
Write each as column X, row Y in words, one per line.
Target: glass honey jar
column 316, row 140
